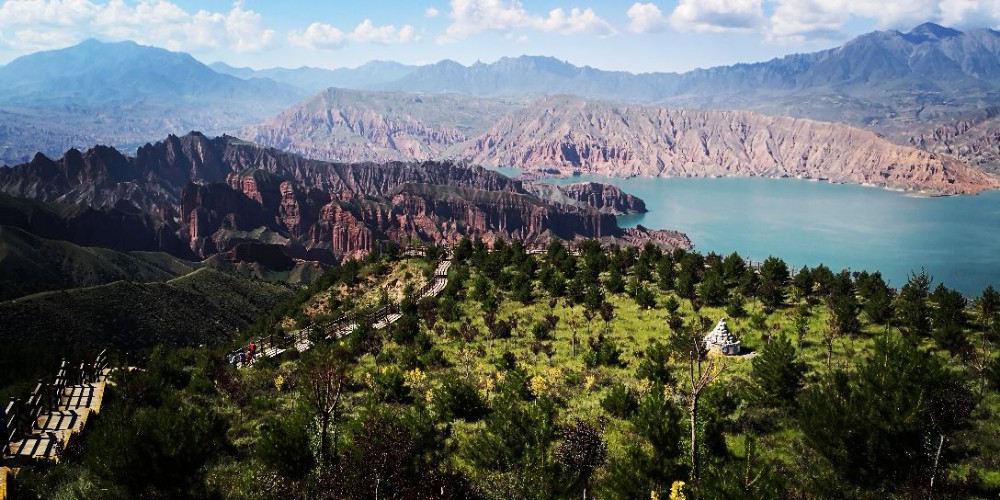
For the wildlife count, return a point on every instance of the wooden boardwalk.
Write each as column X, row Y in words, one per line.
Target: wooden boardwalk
column 42, row 426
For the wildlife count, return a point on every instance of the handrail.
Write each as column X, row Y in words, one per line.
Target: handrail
column 20, row 417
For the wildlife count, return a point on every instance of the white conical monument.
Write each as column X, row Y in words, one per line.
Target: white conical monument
column 721, row 339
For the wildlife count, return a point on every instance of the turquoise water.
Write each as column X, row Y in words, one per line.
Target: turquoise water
column 956, row 239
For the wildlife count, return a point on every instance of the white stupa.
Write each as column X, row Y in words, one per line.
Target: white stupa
column 721, row 339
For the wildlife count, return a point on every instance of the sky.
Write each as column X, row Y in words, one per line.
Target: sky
column 658, row 35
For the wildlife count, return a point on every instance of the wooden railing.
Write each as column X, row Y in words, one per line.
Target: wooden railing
column 20, row 416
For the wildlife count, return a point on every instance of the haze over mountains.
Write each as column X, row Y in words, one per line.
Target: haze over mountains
column 121, row 94
column 316, row 79
column 925, row 88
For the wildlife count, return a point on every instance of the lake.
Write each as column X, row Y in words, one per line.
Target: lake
column 956, row 239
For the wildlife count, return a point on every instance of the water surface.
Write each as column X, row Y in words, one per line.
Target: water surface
column 956, row 239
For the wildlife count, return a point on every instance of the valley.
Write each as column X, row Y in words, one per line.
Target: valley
column 311, row 276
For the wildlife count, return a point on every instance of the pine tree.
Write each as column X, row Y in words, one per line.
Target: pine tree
column 912, row 310
column 712, row 288
column 777, row 373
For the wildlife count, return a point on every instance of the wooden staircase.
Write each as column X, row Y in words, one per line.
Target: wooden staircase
column 42, row 426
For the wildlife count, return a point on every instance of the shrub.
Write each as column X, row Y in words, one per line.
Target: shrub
column 621, row 401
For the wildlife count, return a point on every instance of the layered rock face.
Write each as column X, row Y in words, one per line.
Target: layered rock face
column 205, row 196
column 631, row 140
column 975, row 140
column 571, row 134
column 604, row 197
column 354, row 126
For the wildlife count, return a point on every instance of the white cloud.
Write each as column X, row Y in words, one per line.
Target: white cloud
column 324, row 36
column 469, row 17
column 798, row 21
column 319, row 36
column 646, row 18
column 803, row 20
column 367, row 32
column 431, row 12
column 795, row 21
column 576, row 23
column 42, row 24
column 717, row 16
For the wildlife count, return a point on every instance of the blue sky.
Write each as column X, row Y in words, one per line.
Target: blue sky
column 656, row 35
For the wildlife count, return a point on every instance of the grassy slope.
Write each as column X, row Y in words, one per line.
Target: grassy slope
column 633, row 329
column 30, row 264
column 203, row 307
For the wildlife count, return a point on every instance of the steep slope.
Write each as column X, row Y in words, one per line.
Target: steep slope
column 349, row 126
column 197, row 196
column 203, row 307
column 630, row 140
column 975, row 139
column 29, row 264
column 122, row 227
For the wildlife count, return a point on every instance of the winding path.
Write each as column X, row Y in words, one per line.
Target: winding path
column 270, row 347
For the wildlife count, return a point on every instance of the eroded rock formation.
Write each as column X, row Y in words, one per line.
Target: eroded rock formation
column 224, row 195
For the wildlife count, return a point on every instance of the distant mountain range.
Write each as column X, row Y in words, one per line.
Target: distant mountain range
column 921, row 88
column 95, row 73
column 574, row 135
column 312, row 80
column 122, row 94
column 884, row 80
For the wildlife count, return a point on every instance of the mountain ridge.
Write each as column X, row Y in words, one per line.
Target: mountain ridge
column 201, row 196
column 573, row 134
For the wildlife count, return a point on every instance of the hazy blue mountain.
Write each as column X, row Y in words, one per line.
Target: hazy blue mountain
column 890, row 81
column 534, row 75
column 929, row 56
column 122, row 94
column 315, row 79
column 95, row 72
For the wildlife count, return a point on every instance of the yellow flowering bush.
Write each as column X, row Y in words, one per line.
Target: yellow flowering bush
column 677, row 491
column 538, row 385
column 643, row 386
column 415, row 379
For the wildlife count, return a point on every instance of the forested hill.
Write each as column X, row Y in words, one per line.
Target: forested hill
column 565, row 374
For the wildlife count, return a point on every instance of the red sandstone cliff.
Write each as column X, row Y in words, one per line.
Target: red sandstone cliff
column 238, row 195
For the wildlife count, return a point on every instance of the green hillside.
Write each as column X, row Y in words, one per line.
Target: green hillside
column 29, row 264
column 203, row 307
column 563, row 376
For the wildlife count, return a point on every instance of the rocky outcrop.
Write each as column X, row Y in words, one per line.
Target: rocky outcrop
column 630, row 140
column 242, row 199
column 974, row 140
column 122, row 227
column 604, row 197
